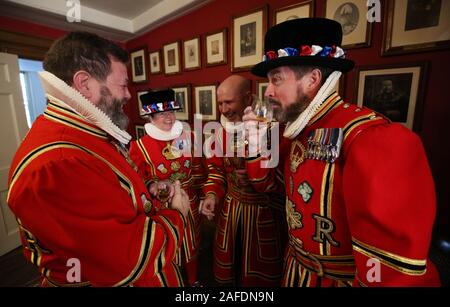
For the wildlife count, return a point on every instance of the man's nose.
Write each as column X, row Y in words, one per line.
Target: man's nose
column 269, row 91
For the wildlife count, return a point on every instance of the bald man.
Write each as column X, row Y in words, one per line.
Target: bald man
column 248, row 246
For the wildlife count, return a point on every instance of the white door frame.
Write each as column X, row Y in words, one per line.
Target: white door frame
column 13, row 128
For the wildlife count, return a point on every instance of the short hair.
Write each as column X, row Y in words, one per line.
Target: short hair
column 300, row 71
column 83, row 51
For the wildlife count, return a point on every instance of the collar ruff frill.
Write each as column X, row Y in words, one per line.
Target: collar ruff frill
column 229, row 126
column 161, row 135
column 294, row 128
column 57, row 89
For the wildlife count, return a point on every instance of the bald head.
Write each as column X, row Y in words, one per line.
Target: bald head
column 233, row 96
column 235, row 84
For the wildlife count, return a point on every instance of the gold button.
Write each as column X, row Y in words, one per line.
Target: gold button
column 357, row 110
column 346, row 105
column 147, row 206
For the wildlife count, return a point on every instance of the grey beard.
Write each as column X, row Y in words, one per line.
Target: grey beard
column 292, row 111
column 113, row 109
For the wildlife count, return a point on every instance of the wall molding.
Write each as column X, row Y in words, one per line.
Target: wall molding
column 24, row 45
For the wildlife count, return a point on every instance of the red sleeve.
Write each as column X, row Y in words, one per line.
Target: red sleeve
column 390, row 199
column 199, row 173
column 216, row 181
column 136, row 155
column 77, row 208
column 269, row 179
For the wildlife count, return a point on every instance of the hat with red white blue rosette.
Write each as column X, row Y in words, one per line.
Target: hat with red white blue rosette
column 304, row 41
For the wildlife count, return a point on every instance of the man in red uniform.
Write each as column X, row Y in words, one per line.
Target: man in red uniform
column 248, row 245
column 165, row 153
column 85, row 215
column 360, row 198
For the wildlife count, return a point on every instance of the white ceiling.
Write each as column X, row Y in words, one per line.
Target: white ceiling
column 120, row 20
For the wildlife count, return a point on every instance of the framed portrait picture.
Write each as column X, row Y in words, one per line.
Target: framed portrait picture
column 395, row 91
column 261, row 87
column 138, row 65
column 216, row 48
column 139, row 130
column 191, row 54
column 352, row 15
column 155, row 62
column 183, row 97
column 248, row 39
column 416, row 25
column 139, row 103
column 205, row 102
column 300, row 10
column 171, row 58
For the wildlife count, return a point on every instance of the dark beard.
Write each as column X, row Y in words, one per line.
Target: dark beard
column 112, row 107
column 292, row 111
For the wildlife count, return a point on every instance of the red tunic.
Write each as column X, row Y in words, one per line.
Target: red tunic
column 365, row 219
column 155, row 161
column 75, row 196
column 248, row 245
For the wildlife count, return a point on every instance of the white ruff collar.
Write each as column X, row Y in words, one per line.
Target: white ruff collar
column 56, row 88
column 295, row 127
column 162, row 135
column 229, row 126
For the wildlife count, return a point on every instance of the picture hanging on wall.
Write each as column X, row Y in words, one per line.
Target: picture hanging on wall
column 247, row 36
column 415, row 26
column 216, row 48
column 183, row 98
column 299, row 10
column 172, row 58
column 205, row 102
column 155, row 62
column 396, row 91
column 138, row 65
column 191, row 54
column 352, row 15
column 139, row 103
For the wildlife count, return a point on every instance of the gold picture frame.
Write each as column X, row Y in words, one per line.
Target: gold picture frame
column 191, row 54
column 171, row 55
column 183, row 98
column 216, row 48
column 352, row 15
column 395, row 90
column 139, row 103
column 138, row 59
column 299, row 10
column 205, row 102
column 408, row 28
column 261, row 86
column 155, row 62
column 248, row 39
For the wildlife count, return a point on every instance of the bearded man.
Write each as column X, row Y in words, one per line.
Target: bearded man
column 360, row 199
column 86, row 218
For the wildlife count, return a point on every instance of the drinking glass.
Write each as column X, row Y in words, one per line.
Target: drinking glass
column 262, row 108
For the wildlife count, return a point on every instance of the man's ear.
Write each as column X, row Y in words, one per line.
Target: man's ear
column 313, row 83
column 81, row 83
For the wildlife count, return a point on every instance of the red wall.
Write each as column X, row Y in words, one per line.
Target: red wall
column 10, row 24
column 217, row 14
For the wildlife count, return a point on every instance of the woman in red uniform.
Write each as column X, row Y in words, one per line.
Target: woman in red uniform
column 165, row 154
